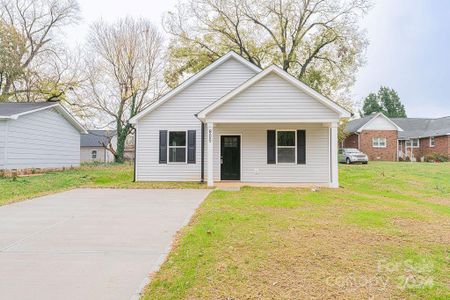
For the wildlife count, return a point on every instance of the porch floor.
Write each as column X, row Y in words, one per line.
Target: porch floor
column 236, row 185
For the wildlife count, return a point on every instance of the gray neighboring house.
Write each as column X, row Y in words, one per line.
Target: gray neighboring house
column 94, row 146
column 41, row 135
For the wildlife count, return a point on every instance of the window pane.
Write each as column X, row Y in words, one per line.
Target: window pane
column 177, row 154
column 286, row 155
column 286, row 138
column 177, row 138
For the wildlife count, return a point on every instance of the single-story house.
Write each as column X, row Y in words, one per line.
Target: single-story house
column 94, row 146
column 235, row 121
column 383, row 138
column 42, row 135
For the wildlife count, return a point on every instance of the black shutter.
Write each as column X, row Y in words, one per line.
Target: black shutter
column 191, row 147
column 163, row 146
column 301, row 147
column 271, row 148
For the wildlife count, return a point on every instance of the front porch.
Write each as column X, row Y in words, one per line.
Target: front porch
column 304, row 154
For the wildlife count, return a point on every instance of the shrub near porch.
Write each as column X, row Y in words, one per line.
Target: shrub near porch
column 385, row 233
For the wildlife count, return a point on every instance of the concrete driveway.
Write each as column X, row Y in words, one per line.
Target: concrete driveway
column 89, row 243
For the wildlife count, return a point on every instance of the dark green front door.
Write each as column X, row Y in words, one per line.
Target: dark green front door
column 230, row 157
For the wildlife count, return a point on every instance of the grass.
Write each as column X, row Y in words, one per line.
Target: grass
column 384, row 234
column 89, row 175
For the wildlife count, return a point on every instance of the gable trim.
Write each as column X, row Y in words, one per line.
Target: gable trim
column 59, row 108
column 380, row 114
column 193, row 79
column 284, row 75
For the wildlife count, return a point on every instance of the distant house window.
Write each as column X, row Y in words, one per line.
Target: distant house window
column 379, row 142
column 432, row 142
column 94, row 154
column 286, row 146
column 177, row 146
column 414, row 143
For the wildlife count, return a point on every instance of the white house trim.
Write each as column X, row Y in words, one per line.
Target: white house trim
column 273, row 121
column 343, row 113
column 193, row 79
column 380, row 114
column 63, row 111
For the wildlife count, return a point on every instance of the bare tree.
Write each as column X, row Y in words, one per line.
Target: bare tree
column 318, row 41
column 44, row 61
column 123, row 66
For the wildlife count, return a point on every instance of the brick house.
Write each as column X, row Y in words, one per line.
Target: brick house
column 383, row 138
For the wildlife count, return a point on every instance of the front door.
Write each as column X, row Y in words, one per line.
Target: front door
column 230, row 157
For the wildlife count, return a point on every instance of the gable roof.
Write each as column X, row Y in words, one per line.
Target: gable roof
column 410, row 127
column 14, row 110
column 284, row 75
column 358, row 125
column 96, row 138
column 193, row 79
column 423, row 127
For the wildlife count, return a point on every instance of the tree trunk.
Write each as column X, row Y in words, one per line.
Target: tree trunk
column 121, row 138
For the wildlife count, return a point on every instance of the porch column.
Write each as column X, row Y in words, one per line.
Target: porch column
column 334, row 155
column 210, row 133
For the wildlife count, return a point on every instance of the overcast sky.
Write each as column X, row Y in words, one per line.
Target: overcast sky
column 409, row 47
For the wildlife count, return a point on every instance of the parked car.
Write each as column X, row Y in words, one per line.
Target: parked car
column 352, row 155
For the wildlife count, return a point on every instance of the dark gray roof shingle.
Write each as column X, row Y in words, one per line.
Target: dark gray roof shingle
column 9, row 109
column 96, row 138
column 416, row 127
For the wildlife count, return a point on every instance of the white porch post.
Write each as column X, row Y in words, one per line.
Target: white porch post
column 210, row 137
column 334, row 155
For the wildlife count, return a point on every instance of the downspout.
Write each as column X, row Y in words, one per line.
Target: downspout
column 135, row 152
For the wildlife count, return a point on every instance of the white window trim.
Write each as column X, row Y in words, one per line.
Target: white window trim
column 411, row 144
column 434, row 142
column 377, row 145
column 276, row 146
column 92, row 154
column 185, row 146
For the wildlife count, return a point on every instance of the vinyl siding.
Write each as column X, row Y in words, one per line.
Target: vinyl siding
column 254, row 167
column 43, row 139
column 272, row 98
column 178, row 113
column 379, row 123
column 103, row 155
column 3, row 124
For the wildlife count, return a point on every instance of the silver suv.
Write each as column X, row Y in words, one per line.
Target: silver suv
column 352, row 155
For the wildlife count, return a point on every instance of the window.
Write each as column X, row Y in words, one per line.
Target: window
column 414, row 143
column 286, row 143
column 94, row 154
column 177, row 146
column 432, row 142
column 379, row 142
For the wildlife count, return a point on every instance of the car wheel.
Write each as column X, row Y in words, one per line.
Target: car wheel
column 365, row 162
column 347, row 161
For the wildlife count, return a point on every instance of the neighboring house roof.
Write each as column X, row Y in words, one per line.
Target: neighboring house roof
column 97, row 138
column 411, row 127
column 286, row 76
column 193, row 79
column 14, row 110
column 417, row 128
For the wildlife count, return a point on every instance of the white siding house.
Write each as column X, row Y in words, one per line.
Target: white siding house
column 38, row 135
column 234, row 121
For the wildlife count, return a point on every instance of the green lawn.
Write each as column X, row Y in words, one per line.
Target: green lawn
column 384, row 234
column 110, row 175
